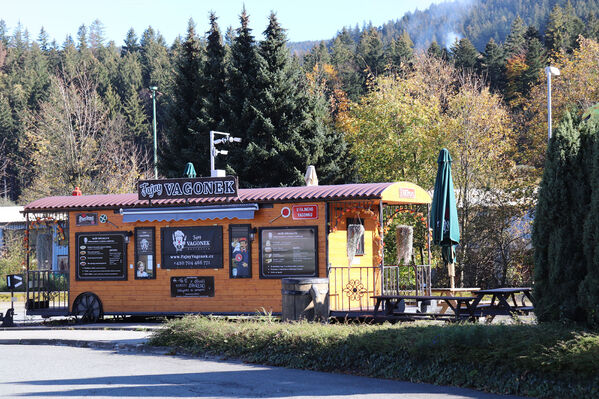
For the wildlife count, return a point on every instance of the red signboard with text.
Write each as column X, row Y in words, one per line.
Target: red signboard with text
column 300, row 212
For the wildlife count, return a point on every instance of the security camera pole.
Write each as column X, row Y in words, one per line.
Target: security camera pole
column 214, row 152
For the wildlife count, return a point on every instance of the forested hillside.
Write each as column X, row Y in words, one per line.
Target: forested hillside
column 477, row 20
column 367, row 106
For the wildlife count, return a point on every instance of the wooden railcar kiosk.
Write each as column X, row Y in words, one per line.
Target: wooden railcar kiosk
column 204, row 246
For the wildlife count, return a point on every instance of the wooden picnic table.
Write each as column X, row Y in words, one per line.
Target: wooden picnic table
column 452, row 292
column 503, row 301
column 461, row 306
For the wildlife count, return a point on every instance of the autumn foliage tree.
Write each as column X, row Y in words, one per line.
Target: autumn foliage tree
column 74, row 142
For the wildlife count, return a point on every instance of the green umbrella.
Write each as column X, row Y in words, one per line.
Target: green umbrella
column 190, row 171
column 444, row 213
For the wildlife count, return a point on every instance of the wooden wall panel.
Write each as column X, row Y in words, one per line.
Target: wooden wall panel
column 230, row 295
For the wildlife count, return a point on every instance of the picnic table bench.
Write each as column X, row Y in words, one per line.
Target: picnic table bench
column 462, row 306
column 503, row 302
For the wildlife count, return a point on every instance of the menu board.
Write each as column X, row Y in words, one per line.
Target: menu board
column 192, row 286
column 198, row 247
column 288, row 252
column 101, row 256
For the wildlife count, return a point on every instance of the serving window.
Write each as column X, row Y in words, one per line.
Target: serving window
column 145, row 267
column 288, row 252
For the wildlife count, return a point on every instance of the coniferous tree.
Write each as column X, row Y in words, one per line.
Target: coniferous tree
column 213, row 71
column 344, row 60
column 182, row 144
column 435, row 50
column 370, row 56
column 240, row 92
column 557, row 233
column 588, row 293
column 493, row 66
column 535, row 61
column 131, row 44
column 515, row 43
column 464, row 54
column 317, row 55
column 401, row 52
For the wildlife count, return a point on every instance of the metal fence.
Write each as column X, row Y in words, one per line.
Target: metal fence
column 47, row 289
column 407, row 280
column 351, row 288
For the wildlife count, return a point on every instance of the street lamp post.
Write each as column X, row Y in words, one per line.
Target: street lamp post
column 154, row 88
column 549, row 71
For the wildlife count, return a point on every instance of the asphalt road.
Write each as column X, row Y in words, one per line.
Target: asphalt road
column 41, row 371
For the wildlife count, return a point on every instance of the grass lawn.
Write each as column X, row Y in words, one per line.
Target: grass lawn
column 544, row 360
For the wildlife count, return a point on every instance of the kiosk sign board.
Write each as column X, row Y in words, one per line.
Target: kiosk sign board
column 192, row 286
column 200, row 187
column 101, row 256
column 197, row 247
column 288, row 252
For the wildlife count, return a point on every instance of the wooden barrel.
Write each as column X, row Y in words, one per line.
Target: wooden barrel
column 305, row 298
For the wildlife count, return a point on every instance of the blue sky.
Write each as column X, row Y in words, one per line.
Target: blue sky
column 303, row 19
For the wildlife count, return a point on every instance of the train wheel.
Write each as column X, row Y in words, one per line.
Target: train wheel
column 87, row 308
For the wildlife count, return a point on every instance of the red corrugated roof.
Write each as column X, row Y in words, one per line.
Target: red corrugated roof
column 273, row 194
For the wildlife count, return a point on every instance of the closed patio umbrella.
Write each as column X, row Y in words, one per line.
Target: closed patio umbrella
column 444, row 214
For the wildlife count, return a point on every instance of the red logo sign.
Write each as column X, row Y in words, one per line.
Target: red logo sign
column 407, row 193
column 305, row 212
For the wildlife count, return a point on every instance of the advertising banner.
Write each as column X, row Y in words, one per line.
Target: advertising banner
column 198, row 247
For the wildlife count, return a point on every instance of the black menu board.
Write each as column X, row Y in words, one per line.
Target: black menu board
column 101, row 256
column 288, row 252
column 198, row 247
column 192, row 286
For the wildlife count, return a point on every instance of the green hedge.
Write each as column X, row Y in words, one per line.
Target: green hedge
column 535, row 360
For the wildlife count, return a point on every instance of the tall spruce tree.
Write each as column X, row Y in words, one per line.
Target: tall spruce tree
column 182, row 143
column 240, row 92
column 464, row 54
column 284, row 135
column 557, row 232
column 493, row 66
column 515, row 43
column 213, row 71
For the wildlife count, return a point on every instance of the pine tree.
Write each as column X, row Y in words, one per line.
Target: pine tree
column 493, row 66
column 370, row 56
column 435, row 50
column 464, row 54
column 240, row 96
column 515, row 42
column 344, row 60
column 557, row 233
column 401, row 53
column 214, row 78
column 131, row 45
column 182, row 142
column 286, row 133
column 535, row 61
column 317, row 55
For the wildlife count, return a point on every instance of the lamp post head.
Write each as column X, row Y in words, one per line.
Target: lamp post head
column 153, row 88
column 552, row 71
